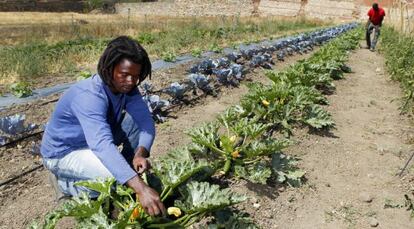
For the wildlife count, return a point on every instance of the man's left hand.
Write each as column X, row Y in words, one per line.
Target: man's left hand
column 141, row 164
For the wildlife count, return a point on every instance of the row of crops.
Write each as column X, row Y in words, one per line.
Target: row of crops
column 399, row 53
column 204, row 78
column 74, row 45
column 210, row 74
column 244, row 142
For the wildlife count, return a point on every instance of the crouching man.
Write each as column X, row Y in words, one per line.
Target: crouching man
column 95, row 118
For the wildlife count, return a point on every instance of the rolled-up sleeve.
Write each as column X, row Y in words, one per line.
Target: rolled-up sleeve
column 91, row 111
column 138, row 109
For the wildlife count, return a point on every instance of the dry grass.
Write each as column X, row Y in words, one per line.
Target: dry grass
column 33, row 27
column 43, row 44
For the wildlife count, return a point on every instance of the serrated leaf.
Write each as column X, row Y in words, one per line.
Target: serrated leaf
column 203, row 197
column 318, row 118
column 264, row 148
column 256, row 173
column 205, row 135
column 249, row 128
column 102, row 186
column 79, row 207
column 286, row 171
column 175, row 172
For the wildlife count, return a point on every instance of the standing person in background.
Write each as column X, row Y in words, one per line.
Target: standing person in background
column 376, row 16
column 97, row 115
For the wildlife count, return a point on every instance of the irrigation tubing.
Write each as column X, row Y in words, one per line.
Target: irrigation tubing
column 11, row 142
column 406, row 164
column 8, row 181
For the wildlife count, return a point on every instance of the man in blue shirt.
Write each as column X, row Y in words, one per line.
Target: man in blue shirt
column 98, row 116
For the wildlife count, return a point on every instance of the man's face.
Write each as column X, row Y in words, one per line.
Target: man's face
column 125, row 77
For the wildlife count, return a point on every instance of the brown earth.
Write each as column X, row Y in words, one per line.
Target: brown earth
column 350, row 172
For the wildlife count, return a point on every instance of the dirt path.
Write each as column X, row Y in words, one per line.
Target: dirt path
column 352, row 173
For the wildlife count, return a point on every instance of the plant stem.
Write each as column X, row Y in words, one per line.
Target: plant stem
column 252, row 161
column 165, row 191
column 166, row 195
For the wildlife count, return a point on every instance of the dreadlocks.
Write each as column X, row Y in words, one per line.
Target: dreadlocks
column 118, row 49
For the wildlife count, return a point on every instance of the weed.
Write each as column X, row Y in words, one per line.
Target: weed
column 196, row 52
column 215, row 48
column 21, row 89
column 146, row 38
column 169, row 56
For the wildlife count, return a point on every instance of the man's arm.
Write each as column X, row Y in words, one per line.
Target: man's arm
column 140, row 113
column 138, row 109
column 91, row 112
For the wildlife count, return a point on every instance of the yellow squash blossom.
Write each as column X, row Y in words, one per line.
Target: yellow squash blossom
column 265, row 103
column 174, row 211
column 235, row 154
column 135, row 214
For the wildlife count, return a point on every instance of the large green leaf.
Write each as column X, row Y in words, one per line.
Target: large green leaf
column 104, row 187
column 79, row 207
column 286, row 171
column 201, row 197
column 174, row 172
column 256, row 173
column 264, row 148
column 318, row 118
column 205, row 135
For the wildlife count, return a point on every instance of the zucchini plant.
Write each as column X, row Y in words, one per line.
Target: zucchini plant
column 187, row 199
column 237, row 145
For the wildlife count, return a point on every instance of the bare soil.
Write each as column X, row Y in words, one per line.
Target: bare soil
column 350, row 171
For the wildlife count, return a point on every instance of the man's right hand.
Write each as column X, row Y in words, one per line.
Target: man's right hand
column 148, row 197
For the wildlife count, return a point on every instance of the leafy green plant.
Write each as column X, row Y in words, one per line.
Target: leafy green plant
column 196, row 52
column 169, row 56
column 296, row 94
column 21, row 89
column 146, row 38
column 84, row 75
column 237, row 146
column 215, row 48
column 398, row 50
column 194, row 200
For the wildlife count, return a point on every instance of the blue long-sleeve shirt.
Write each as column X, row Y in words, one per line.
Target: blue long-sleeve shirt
column 84, row 117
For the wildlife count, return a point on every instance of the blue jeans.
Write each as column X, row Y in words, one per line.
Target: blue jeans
column 80, row 165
